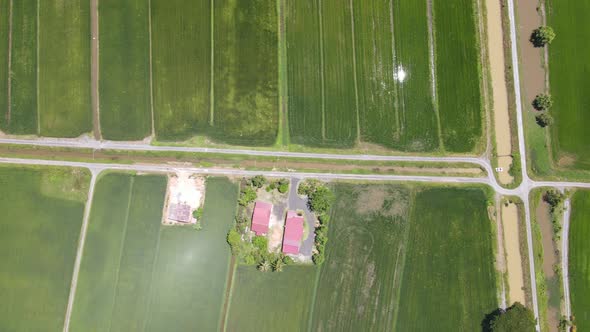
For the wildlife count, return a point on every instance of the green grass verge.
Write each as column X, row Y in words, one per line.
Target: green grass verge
column 124, row 89
column 458, row 74
column 449, row 280
column 4, row 27
column 569, row 81
column 281, row 300
column 39, row 231
column 359, row 283
column 181, row 65
column 138, row 274
column 23, row 76
column 64, row 68
column 246, row 72
column 579, row 259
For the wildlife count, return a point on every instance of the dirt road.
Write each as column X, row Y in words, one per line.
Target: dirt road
column 94, row 96
column 514, row 260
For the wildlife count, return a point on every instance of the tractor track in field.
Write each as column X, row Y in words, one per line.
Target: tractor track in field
column 151, row 67
column 356, row 90
column 9, row 51
column 94, row 69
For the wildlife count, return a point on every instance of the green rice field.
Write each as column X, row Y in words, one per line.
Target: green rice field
column 568, row 81
column 42, row 211
column 271, row 301
column 384, row 269
column 246, row 72
column 458, row 74
column 579, row 259
column 124, row 89
column 181, row 51
column 137, row 274
column 64, row 68
column 4, row 19
column 449, row 280
column 23, row 77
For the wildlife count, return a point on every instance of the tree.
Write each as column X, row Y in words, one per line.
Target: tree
column 544, row 120
column 264, row 266
column 234, row 239
column 283, row 188
column 278, row 265
column 542, row 36
column 516, row 318
column 320, row 200
column 542, row 102
column 198, row 213
column 258, row 181
column 553, row 198
column 247, row 196
column 261, row 242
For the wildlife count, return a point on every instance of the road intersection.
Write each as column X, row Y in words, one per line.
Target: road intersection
column 522, row 191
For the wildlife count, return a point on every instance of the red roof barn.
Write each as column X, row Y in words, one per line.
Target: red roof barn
column 261, row 217
column 293, row 233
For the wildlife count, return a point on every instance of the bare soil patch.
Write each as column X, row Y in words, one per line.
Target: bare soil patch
column 532, row 68
column 513, row 258
column 566, row 160
column 550, row 259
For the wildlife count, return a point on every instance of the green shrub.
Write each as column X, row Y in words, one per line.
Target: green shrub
column 198, row 213
column 288, row 260
column 247, row 196
column 258, row 181
column 542, row 36
column 318, row 258
column 542, row 102
column 283, row 188
column 261, row 243
column 320, row 200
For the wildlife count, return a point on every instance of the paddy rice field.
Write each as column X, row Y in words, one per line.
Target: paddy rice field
column 398, row 74
column 384, row 268
column 579, row 259
column 41, row 218
column 137, row 274
column 567, row 79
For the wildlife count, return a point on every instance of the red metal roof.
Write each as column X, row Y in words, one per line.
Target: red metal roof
column 293, row 233
column 261, row 217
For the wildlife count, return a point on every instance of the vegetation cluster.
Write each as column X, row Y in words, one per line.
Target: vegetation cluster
column 319, row 201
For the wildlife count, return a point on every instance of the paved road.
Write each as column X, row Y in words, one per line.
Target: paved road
column 565, row 258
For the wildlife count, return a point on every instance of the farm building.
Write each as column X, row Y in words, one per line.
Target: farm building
column 179, row 212
column 261, row 217
column 293, row 233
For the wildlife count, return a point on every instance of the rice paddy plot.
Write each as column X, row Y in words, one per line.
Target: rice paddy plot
column 569, row 82
column 375, row 70
column 359, row 282
column 23, row 69
column 246, row 72
column 418, row 128
column 4, row 32
column 449, row 282
column 579, row 259
column 458, row 74
column 340, row 111
column 282, row 299
column 304, row 72
column 64, row 68
column 124, row 90
column 137, row 274
column 42, row 211
column 181, row 55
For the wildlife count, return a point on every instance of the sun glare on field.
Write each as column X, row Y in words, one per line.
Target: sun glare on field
column 399, row 74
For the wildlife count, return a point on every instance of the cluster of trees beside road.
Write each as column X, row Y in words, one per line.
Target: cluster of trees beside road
column 541, row 37
column 319, row 201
